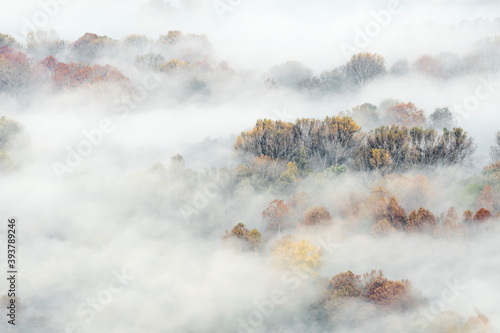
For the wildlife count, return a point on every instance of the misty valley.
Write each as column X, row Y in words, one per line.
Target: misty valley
column 337, row 170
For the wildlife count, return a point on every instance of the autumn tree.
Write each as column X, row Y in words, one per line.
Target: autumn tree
column 150, row 61
column 375, row 206
column 297, row 255
column 79, row 75
column 266, row 168
column 482, row 215
column 396, row 215
column 331, row 141
column 451, row 225
column 457, row 146
column 276, row 215
column 243, row 239
column 380, row 160
column 274, row 139
column 492, row 172
column 318, row 216
column 9, row 41
column 345, row 289
column 485, row 199
column 138, row 41
column 363, row 68
column 175, row 66
column 406, row 114
column 290, row 174
column 393, row 295
column 382, row 228
column 91, row 46
column 9, row 128
column 421, row 220
column 410, row 148
column 255, row 239
column 328, row 142
column 172, row 37
column 427, row 65
column 15, row 71
column 467, row 216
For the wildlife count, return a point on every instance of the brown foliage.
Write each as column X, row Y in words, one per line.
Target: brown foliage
column 421, row 220
column 396, row 215
column 394, row 295
column 467, row 216
column 243, row 239
column 345, row 288
column 346, row 284
column 482, row 215
column 318, row 216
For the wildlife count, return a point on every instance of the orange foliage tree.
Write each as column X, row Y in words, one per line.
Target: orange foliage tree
column 345, row 288
column 396, row 215
column 421, row 220
column 485, row 199
column 406, row 114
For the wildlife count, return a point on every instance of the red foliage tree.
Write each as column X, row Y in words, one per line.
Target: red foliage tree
column 482, row 215
column 276, row 215
column 77, row 75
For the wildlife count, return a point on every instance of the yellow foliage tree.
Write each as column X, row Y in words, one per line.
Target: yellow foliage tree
column 297, row 255
column 380, row 160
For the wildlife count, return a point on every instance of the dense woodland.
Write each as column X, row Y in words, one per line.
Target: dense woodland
column 385, row 161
